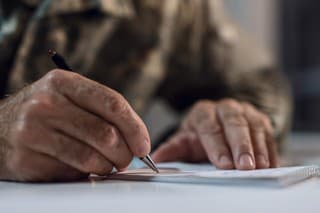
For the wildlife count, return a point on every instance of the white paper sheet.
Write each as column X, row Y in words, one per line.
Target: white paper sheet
column 207, row 174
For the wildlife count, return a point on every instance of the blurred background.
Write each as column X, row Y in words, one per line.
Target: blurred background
column 290, row 29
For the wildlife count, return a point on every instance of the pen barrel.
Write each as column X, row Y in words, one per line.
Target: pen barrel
column 60, row 62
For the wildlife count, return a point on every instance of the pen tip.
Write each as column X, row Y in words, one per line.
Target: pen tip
column 51, row 52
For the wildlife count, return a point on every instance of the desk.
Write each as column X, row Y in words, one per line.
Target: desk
column 118, row 196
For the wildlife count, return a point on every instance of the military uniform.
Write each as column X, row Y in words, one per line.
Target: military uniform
column 178, row 50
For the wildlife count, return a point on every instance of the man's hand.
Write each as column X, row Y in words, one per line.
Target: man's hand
column 64, row 127
column 228, row 133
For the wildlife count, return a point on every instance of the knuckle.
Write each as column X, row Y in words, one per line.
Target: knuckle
column 230, row 103
column 56, row 78
column 117, row 104
column 110, row 137
column 248, row 106
column 231, row 113
column 202, row 112
column 210, row 128
column 203, row 104
column 257, row 125
column 234, row 119
column 257, row 120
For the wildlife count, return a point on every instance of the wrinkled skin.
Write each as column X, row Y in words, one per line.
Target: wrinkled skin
column 230, row 134
column 64, row 127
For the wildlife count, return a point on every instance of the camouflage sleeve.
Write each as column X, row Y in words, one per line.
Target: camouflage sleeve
column 11, row 33
column 213, row 59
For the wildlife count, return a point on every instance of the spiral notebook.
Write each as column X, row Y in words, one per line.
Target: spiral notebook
column 207, row 174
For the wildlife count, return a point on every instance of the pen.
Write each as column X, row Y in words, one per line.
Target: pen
column 62, row 64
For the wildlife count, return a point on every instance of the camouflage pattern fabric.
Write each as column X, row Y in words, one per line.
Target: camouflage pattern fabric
column 179, row 50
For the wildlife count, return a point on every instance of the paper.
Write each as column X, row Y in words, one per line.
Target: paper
column 207, row 174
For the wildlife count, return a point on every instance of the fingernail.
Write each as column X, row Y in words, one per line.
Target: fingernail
column 262, row 161
column 225, row 161
column 246, row 161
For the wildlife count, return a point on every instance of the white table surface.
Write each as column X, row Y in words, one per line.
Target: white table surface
column 120, row 196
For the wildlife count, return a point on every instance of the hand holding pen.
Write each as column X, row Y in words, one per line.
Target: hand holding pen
column 61, row 63
column 64, row 127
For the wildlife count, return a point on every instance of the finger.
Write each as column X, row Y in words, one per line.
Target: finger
column 273, row 151
column 271, row 144
column 257, row 131
column 27, row 165
column 237, row 134
column 106, row 103
column 172, row 150
column 204, row 121
column 183, row 146
column 94, row 131
column 69, row 151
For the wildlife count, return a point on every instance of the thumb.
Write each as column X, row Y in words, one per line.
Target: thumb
column 175, row 149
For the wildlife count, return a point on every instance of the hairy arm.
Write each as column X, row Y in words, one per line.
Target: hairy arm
column 8, row 113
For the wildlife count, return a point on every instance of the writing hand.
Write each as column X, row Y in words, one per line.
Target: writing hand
column 64, row 127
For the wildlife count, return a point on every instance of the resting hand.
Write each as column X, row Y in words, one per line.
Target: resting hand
column 228, row 133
